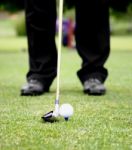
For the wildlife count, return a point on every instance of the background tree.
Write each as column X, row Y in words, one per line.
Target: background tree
column 116, row 5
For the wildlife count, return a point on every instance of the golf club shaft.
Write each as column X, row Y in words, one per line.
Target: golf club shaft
column 60, row 22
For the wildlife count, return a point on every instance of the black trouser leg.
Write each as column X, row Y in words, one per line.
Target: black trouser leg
column 40, row 23
column 92, row 37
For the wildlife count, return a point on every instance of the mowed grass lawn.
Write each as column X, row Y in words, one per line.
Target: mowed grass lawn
column 98, row 123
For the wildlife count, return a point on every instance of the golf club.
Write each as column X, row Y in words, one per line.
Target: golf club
column 52, row 115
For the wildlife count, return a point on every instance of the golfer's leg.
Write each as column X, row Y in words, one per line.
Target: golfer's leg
column 40, row 22
column 92, row 37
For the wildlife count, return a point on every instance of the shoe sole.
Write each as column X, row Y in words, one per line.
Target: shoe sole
column 95, row 93
column 33, row 93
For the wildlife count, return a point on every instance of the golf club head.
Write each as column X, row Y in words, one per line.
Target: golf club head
column 50, row 117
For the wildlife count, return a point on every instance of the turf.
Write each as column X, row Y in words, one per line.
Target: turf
column 98, row 123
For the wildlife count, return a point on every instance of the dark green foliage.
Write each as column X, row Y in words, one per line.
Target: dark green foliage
column 20, row 25
column 120, row 6
column 11, row 5
column 69, row 3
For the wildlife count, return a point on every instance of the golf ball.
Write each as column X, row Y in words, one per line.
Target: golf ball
column 66, row 110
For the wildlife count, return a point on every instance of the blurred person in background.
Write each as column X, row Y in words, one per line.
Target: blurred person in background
column 92, row 37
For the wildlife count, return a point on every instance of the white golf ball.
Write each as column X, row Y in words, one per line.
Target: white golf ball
column 66, row 110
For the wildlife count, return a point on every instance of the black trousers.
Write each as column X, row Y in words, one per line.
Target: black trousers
column 92, row 38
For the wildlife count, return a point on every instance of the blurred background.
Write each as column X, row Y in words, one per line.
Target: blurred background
column 12, row 23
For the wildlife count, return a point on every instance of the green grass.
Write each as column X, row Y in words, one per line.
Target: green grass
column 8, row 39
column 7, row 28
column 121, row 43
column 99, row 123
column 13, row 44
